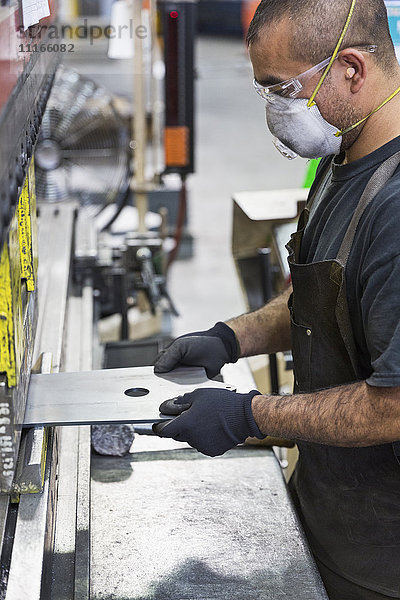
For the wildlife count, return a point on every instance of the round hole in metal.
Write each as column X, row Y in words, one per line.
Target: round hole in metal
column 136, row 392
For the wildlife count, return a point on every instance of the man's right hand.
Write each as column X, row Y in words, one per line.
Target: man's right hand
column 210, row 349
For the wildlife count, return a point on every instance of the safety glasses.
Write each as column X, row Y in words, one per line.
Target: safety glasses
column 291, row 88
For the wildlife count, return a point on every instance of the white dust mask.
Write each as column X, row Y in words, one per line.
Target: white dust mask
column 300, row 130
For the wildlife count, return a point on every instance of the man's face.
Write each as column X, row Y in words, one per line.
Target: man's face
column 272, row 63
column 270, row 57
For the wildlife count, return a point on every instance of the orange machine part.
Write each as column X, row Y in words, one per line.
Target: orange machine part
column 176, row 143
column 248, row 10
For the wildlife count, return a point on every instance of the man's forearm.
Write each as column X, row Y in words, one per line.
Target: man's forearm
column 353, row 415
column 266, row 330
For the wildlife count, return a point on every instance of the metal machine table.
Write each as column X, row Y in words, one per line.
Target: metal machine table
column 173, row 524
column 168, row 523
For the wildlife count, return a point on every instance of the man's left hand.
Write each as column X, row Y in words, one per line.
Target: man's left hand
column 210, row 420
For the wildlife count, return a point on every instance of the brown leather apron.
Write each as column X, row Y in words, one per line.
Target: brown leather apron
column 348, row 498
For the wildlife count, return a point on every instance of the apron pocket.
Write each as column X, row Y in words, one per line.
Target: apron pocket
column 301, row 351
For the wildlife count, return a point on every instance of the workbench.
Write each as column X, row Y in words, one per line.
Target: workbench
column 170, row 523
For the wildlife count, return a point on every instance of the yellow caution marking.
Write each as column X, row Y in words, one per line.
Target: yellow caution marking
column 25, row 237
column 16, row 291
column 33, row 213
column 7, row 349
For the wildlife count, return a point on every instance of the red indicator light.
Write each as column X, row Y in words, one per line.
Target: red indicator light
column 173, row 14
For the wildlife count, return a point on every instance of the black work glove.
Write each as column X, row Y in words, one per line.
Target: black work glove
column 210, row 349
column 211, row 420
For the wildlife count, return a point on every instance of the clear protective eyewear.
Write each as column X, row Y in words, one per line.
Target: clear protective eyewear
column 291, row 88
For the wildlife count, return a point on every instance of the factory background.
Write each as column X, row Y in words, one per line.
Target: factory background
column 141, row 198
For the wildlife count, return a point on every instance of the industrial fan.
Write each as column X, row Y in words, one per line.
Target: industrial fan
column 83, row 148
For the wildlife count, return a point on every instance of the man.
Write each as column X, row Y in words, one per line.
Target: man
column 343, row 320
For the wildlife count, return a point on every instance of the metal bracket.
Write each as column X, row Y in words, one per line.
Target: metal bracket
column 31, row 464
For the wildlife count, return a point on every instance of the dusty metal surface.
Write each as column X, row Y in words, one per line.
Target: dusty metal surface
column 99, row 396
column 176, row 525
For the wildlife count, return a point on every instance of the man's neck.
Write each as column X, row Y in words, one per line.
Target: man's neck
column 380, row 128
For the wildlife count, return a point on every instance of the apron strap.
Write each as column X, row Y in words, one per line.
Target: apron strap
column 381, row 176
column 396, row 450
column 375, row 184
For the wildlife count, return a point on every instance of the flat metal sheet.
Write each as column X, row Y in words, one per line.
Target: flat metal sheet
column 99, row 396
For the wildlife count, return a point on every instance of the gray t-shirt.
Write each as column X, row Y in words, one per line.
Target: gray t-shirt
column 373, row 268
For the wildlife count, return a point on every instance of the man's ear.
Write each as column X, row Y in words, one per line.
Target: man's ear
column 354, row 68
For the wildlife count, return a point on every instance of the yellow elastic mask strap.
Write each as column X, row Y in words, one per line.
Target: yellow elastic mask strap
column 343, row 131
column 311, row 102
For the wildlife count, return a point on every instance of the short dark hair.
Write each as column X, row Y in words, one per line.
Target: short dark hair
column 317, row 25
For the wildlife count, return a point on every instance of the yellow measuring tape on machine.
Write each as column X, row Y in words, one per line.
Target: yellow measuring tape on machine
column 18, row 261
column 7, row 338
column 33, row 214
column 25, row 237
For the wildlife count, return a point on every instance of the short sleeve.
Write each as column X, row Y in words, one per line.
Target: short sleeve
column 380, row 307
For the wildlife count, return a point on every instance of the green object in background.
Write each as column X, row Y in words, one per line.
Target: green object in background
column 311, row 170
